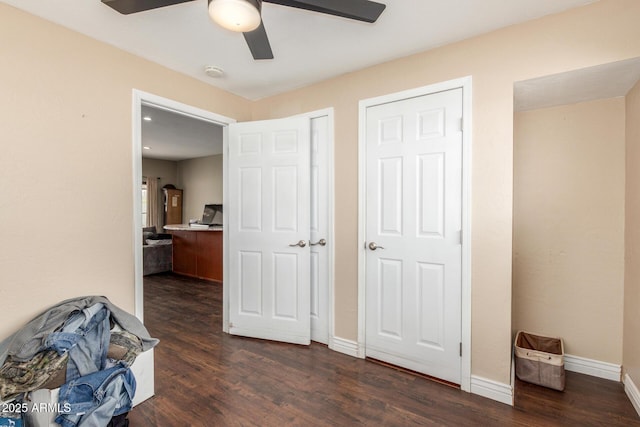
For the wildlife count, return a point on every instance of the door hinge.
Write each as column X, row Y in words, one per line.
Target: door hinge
column 460, row 349
column 461, row 124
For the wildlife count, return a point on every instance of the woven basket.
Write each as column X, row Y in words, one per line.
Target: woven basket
column 540, row 360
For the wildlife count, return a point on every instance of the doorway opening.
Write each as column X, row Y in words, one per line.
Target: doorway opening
column 171, row 113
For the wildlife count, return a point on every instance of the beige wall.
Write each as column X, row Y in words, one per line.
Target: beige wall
column 603, row 32
column 631, row 351
column 78, row 114
column 166, row 170
column 66, row 162
column 201, row 180
column 568, row 226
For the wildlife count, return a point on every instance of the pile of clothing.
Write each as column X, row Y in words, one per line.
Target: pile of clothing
column 85, row 347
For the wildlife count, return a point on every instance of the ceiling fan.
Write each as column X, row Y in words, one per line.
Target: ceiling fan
column 244, row 15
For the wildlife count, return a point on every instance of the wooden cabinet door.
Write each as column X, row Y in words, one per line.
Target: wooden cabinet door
column 185, row 252
column 209, row 255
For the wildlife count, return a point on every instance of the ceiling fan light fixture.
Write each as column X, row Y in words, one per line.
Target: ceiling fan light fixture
column 236, row 15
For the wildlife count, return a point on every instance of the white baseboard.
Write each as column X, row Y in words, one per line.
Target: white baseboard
column 341, row 345
column 595, row 368
column 493, row 390
column 632, row 391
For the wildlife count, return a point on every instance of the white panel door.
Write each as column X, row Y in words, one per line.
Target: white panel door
column 268, row 225
column 320, row 229
column 413, row 231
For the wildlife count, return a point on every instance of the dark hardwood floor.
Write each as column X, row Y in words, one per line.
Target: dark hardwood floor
column 204, row 377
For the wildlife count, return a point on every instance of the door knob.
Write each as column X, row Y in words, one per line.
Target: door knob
column 301, row 243
column 321, row 242
column 373, row 246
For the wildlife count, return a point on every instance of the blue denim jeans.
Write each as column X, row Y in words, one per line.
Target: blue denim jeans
column 94, row 399
column 85, row 335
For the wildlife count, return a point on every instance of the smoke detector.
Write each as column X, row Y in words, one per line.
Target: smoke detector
column 213, row 71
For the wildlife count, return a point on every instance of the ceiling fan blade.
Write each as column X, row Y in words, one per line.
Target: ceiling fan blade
column 361, row 10
column 259, row 43
column 132, row 6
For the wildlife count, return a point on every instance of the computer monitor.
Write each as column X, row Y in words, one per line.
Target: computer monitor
column 212, row 215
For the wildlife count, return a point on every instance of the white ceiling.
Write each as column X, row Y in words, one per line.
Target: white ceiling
column 308, row 47
column 172, row 136
column 586, row 84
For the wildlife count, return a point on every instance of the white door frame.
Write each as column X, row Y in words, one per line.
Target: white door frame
column 464, row 83
column 330, row 224
column 143, row 368
column 141, row 98
column 330, row 248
